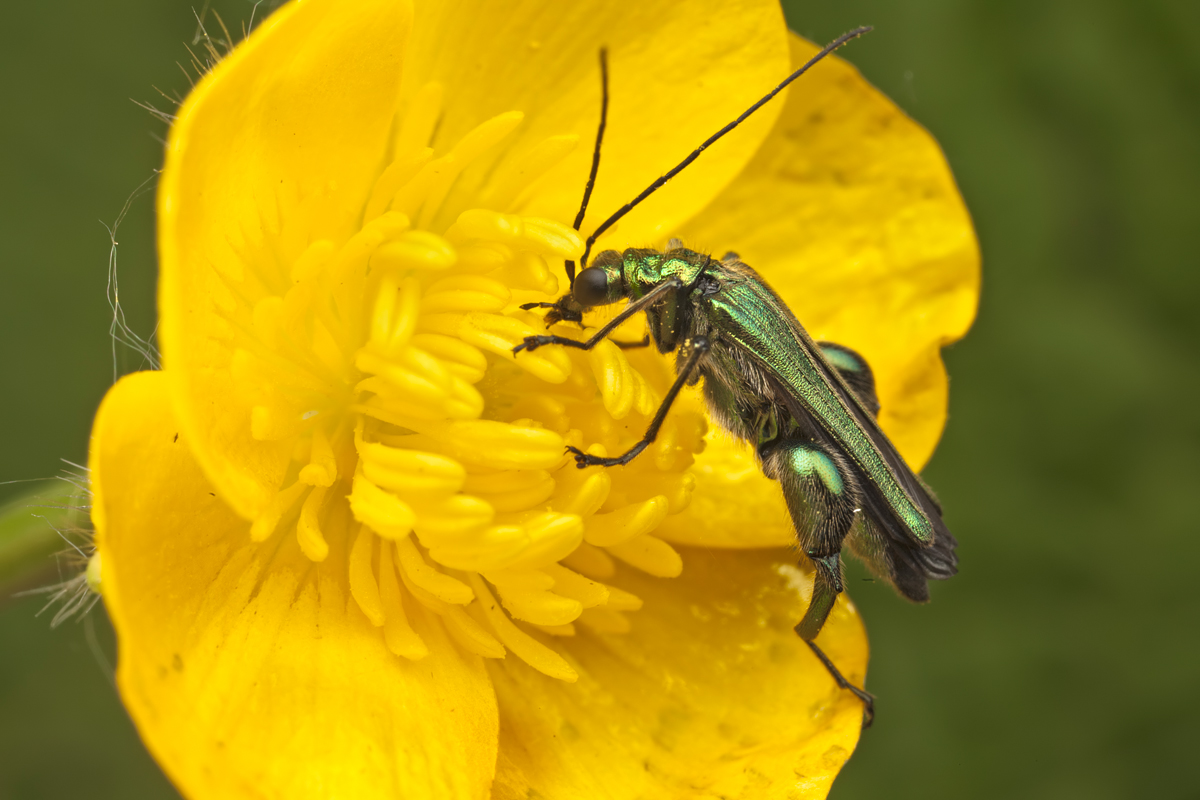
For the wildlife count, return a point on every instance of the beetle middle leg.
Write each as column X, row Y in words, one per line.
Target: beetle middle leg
column 693, row 350
column 643, row 342
column 823, row 498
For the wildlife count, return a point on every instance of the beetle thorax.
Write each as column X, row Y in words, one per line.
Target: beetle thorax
column 645, row 269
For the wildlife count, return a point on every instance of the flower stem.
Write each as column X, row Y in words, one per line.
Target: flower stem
column 30, row 526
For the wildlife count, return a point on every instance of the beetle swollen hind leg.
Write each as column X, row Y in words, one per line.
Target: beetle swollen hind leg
column 693, row 350
column 823, row 499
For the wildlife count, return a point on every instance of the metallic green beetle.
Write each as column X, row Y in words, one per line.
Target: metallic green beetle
column 809, row 408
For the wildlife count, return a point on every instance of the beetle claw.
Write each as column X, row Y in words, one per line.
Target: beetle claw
column 582, row 459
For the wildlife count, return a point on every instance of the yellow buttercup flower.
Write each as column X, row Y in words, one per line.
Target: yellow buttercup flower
column 343, row 547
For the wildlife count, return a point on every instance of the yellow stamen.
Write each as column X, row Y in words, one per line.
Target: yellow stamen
column 474, row 144
column 415, row 250
column 620, row 600
column 397, row 633
column 582, row 492
column 322, row 467
column 651, row 555
column 453, row 518
column 539, row 607
column 308, row 529
column 571, row 584
column 460, row 359
column 465, row 630
column 591, row 561
column 531, row 651
column 403, row 333
column 441, row 586
column 544, row 236
column 414, row 473
column 615, row 378
column 398, row 173
column 606, row 530
column 384, row 512
column 500, row 335
column 512, row 490
column 363, row 586
column 420, row 119
column 264, row 526
column 464, row 293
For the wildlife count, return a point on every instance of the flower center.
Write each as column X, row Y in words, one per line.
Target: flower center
column 429, row 463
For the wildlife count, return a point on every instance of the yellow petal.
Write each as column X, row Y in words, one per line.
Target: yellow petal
column 256, row 679
column 284, row 135
column 733, row 504
column 850, row 212
column 678, row 73
column 709, row 694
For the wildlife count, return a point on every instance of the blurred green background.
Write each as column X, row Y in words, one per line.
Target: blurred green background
column 1061, row 663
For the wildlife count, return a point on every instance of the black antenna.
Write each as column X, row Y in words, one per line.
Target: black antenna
column 591, row 181
column 652, row 188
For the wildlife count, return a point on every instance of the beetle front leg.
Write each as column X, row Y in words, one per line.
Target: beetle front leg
column 656, row 295
column 693, row 351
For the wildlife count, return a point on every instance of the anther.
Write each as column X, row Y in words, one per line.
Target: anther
column 542, row 235
column 392, row 179
column 606, row 530
column 438, row 584
column 397, row 633
column 280, row 504
column 651, row 555
column 308, row 528
column 386, row 514
column 419, row 120
column 571, row 584
column 419, row 250
column 531, row 651
column 363, row 586
column 539, row 606
column 322, row 467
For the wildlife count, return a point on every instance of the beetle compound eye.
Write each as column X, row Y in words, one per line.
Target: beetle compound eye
column 591, row 287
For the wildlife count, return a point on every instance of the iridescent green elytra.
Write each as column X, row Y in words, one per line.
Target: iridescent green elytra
column 809, row 408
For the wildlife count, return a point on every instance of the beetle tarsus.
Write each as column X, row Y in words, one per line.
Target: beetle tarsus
column 868, row 699
column 584, row 460
column 534, row 342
